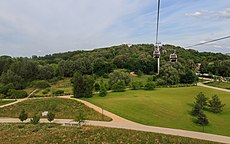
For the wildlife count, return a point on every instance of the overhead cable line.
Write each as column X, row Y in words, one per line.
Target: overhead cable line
column 158, row 19
column 222, row 38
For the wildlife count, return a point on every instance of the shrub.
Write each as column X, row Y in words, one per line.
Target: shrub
column 17, row 94
column 119, row 75
column 103, row 90
column 50, row 116
column 150, row 86
column 2, row 96
column 46, row 91
column 58, row 92
column 40, row 84
column 5, row 88
column 23, row 116
column 136, row 85
column 35, row 119
column 119, row 86
column 139, row 73
column 96, row 86
column 160, row 82
column 80, row 118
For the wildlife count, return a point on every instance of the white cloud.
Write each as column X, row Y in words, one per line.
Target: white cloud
column 195, row 14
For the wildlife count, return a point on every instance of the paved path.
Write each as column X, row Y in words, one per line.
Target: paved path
column 216, row 88
column 119, row 122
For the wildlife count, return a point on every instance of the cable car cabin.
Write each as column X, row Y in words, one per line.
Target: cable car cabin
column 164, row 51
column 173, row 58
column 156, row 54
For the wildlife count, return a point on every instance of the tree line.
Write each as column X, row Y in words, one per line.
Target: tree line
column 18, row 73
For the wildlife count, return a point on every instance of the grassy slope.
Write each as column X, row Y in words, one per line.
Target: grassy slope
column 63, row 108
column 166, row 107
column 46, row 134
column 64, row 84
column 3, row 102
column 220, row 84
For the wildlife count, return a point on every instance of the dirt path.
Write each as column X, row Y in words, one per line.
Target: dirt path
column 216, row 88
column 17, row 100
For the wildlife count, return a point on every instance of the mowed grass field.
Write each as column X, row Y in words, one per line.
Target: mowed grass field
column 166, row 107
column 3, row 102
column 53, row 134
column 225, row 85
column 62, row 108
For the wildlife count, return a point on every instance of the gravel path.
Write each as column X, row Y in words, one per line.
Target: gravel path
column 211, row 87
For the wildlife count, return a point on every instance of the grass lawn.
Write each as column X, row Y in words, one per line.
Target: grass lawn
column 3, row 102
column 166, row 107
column 225, row 85
column 63, row 108
column 51, row 133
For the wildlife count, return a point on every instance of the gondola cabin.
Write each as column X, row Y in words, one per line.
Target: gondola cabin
column 173, row 58
column 156, row 54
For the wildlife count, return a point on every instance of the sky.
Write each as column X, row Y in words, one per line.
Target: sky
column 40, row 27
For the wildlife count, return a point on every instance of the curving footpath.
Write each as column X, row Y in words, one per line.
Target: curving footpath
column 211, row 87
column 18, row 100
column 119, row 122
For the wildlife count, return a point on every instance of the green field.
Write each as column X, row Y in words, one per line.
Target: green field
column 166, row 107
column 225, row 85
column 3, row 102
column 51, row 133
column 63, row 108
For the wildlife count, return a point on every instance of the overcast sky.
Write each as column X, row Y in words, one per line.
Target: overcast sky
column 39, row 27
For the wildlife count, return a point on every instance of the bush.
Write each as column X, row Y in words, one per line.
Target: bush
column 35, row 119
column 2, row 96
column 40, row 84
column 150, row 86
column 5, row 88
column 50, row 116
column 119, row 86
column 17, row 94
column 58, row 92
column 23, row 116
column 160, row 82
column 136, row 85
column 103, row 90
column 97, row 87
column 46, row 91
column 139, row 73
column 119, row 75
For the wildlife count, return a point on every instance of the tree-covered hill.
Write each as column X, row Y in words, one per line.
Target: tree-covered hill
column 17, row 73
